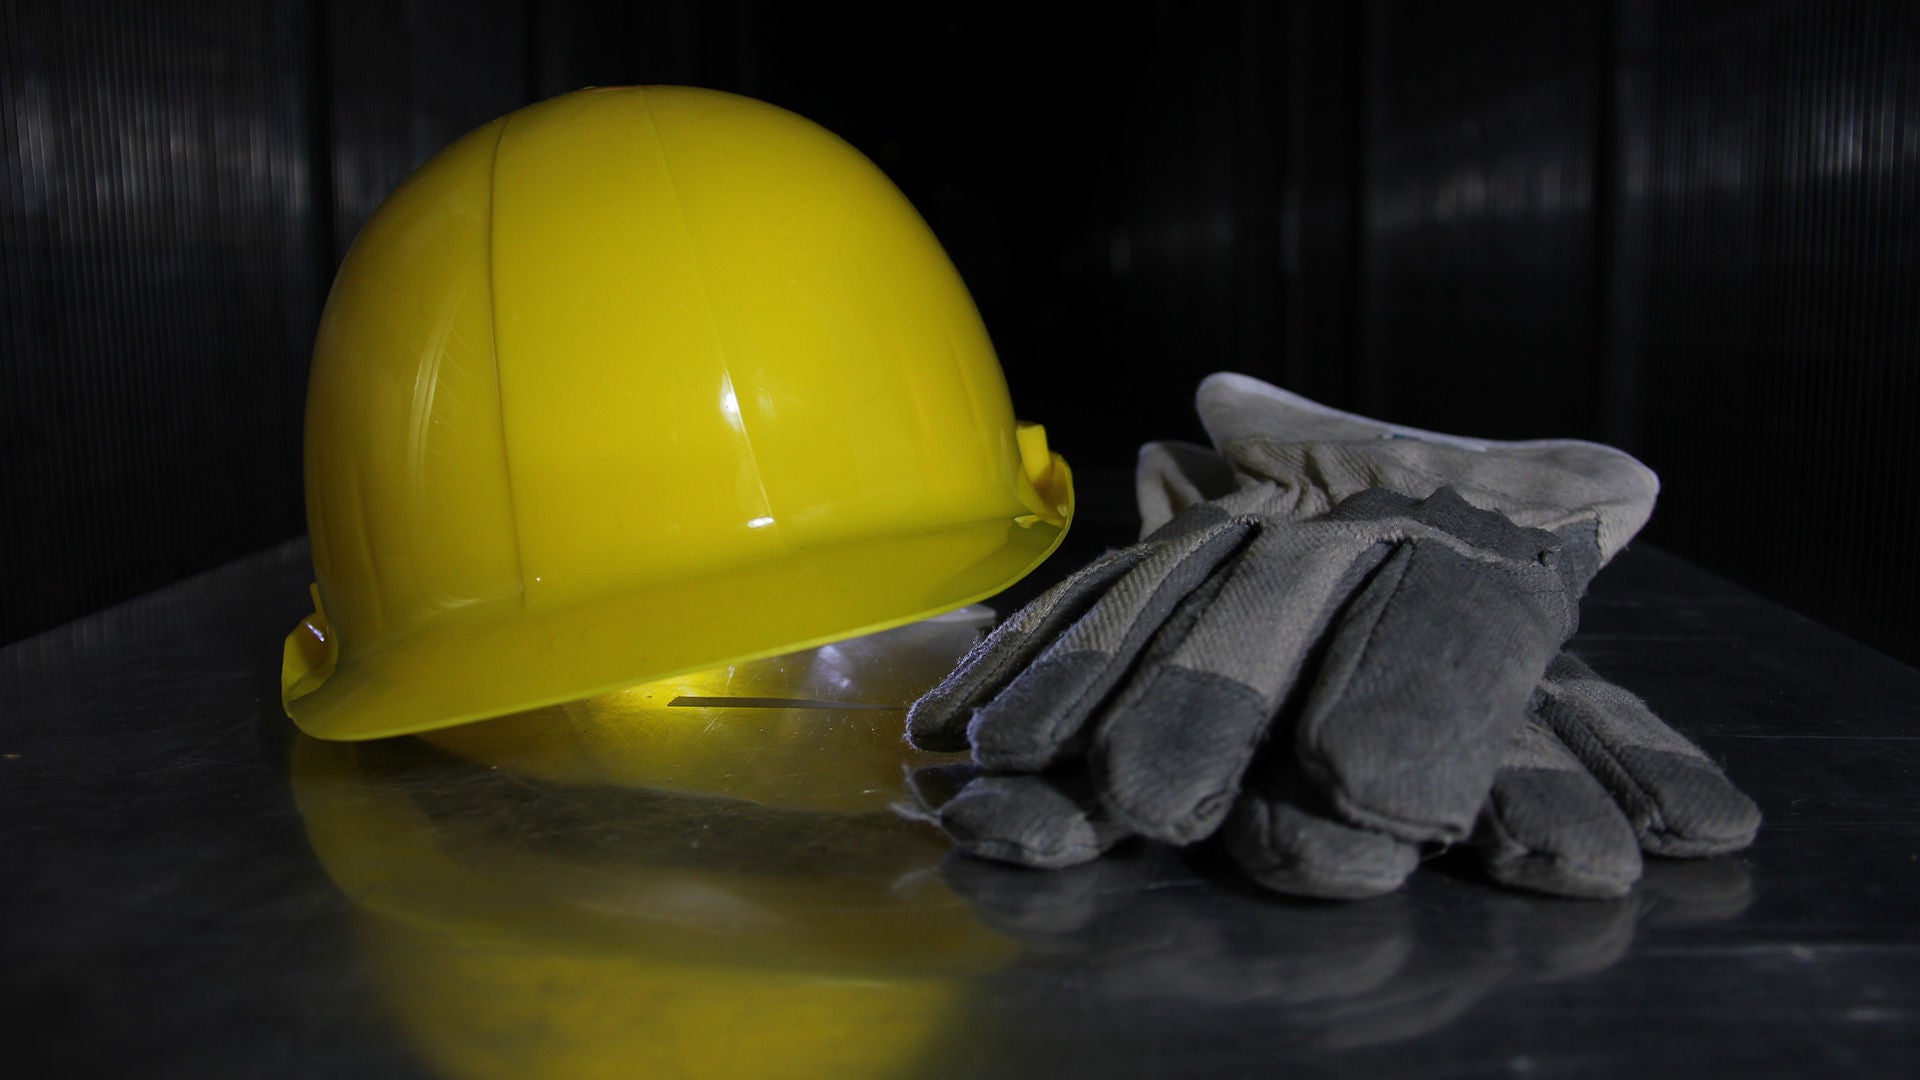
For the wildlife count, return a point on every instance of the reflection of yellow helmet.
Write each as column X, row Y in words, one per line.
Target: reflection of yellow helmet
column 813, row 730
column 493, row 1012
column 556, row 924
column 636, row 382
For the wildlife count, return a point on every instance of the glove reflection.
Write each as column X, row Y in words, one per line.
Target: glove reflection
column 1146, row 936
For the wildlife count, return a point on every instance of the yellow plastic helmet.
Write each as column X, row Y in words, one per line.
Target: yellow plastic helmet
column 636, row 382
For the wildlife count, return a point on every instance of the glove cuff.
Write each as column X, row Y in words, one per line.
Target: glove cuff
column 1276, row 435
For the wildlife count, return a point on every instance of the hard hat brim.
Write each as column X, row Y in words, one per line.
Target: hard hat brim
column 484, row 666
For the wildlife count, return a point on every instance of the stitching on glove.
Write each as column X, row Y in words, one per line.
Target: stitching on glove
column 987, row 667
column 1645, row 814
column 1311, row 755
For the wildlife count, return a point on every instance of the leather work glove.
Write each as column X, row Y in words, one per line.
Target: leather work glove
column 1342, row 587
column 1592, row 777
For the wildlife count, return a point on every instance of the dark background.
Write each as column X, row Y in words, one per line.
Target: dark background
column 1688, row 228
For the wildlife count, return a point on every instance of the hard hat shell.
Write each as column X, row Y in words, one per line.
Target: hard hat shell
column 635, row 382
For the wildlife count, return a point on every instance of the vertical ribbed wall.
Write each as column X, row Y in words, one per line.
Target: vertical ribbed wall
column 161, row 285
column 1686, row 227
column 1478, row 294
column 1770, row 201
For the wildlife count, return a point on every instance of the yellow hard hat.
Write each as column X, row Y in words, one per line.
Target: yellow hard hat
column 636, row 382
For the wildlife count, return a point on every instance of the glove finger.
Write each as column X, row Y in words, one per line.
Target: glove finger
column 1429, row 669
column 1042, row 821
column 1170, row 753
column 938, row 720
column 1291, row 848
column 1676, row 799
column 1038, row 718
column 1550, row 827
column 934, row 786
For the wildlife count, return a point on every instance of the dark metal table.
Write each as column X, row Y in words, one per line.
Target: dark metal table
column 191, row 889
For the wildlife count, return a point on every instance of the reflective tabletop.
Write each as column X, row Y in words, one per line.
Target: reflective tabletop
column 725, row 875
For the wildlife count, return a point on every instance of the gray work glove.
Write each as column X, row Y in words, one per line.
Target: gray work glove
column 1548, row 824
column 1398, row 638
column 1132, row 698
column 1590, row 780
